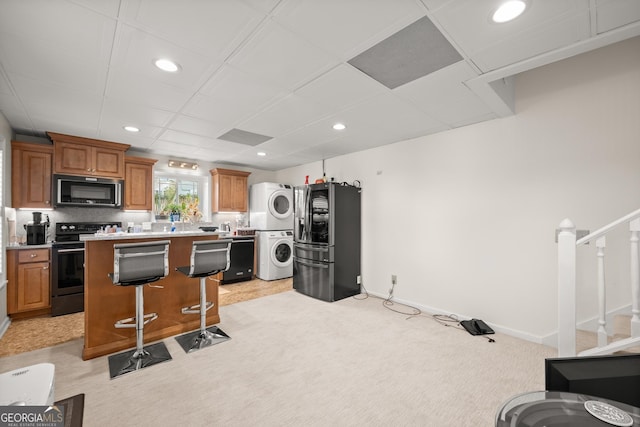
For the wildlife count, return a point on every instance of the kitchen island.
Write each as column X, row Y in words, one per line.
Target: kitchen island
column 106, row 303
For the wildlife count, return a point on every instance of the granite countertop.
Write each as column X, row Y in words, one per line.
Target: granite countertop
column 43, row 246
column 148, row 234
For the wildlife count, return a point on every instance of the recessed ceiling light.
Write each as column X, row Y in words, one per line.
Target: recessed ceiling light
column 131, row 129
column 167, row 65
column 339, row 126
column 261, row 153
column 509, row 10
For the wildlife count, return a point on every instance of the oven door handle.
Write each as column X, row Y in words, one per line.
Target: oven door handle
column 66, row 251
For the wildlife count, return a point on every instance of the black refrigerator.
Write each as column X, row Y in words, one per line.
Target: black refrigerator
column 326, row 249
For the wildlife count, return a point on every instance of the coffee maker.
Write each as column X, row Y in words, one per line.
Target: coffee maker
column 37, row 230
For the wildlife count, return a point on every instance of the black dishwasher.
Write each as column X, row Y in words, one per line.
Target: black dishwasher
column 241, row 268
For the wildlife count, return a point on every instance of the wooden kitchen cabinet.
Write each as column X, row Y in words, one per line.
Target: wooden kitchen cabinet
column 75, row 155
column 31, row 175
column 28, row 282
column 229, row 190
column 138, row 182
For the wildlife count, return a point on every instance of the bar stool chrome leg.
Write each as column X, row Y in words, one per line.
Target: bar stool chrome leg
column 140, row 357
column 204, row 337
column 208, row 257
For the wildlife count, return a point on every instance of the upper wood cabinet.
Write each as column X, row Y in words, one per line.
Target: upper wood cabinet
column 31, row 175
column 138, row 182
column 228, row 190
column 74, row 155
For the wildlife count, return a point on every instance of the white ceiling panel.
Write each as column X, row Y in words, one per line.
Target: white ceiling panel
column 282, row 58
column 341, row 87
column 284, row 116
column 340, row 27
column 197, row 126
column 140, row 115
column 398, row 119
column 616, row 13
column 546, row 25
column 234, row 89
column 212, row 28
column 106, row 7
column 136, row 51
column 456, row 103
column 265, row 6
column 275, row 67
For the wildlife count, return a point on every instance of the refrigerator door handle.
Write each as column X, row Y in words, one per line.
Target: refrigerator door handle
column 311, row 264
column 312, row 248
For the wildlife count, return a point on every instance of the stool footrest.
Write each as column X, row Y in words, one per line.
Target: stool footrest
column 195, row 309
column 131, row 321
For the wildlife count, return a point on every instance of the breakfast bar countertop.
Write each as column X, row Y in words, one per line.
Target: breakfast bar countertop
column 151, row 234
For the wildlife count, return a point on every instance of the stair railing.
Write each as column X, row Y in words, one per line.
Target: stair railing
column 567, row 243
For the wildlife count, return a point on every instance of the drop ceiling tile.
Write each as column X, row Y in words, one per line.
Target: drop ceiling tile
column 444, row 96
column 212, row 28
column 534, row 42
column 137, row 141
column 196, row 126
column 616, row 13
column 211, row 109
column 266, row 6
column 126, row 86
column 345, row 28
column 135, row 52
column 114, row 125
column 398, row 119
column 171, row 148
column 106, row 7
column 191, row 140
column 278, row 56
column 134, row 114
column 60, row 25
column 544, row 26
column 284, row 116
column 340, row 87
column 241, row 91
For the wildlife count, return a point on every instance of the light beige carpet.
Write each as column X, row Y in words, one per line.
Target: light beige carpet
column 296, row 361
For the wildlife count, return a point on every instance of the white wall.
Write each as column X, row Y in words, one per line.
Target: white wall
column 466, row 218
column 5, row 144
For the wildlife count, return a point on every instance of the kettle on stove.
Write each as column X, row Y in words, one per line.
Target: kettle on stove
column 37, row 230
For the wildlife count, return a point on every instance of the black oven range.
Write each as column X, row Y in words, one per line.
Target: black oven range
column 67, row 265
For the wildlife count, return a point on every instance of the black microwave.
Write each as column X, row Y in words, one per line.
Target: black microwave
column 87, row 191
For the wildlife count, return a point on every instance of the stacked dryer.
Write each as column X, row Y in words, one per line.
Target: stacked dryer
column 271, row 215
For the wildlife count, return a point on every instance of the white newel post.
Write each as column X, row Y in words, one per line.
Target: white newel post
column 567, row 289
column 601, row 243
column 634, row 227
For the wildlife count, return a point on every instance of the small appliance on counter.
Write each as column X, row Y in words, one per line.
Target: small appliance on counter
column 37, row 230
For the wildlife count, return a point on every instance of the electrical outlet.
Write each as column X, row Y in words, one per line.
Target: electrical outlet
column 394, row 279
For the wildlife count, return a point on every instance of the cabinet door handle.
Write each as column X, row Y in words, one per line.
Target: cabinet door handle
column 45, row 268
column 33, row 255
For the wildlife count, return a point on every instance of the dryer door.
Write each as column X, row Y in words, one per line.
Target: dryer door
column 281, row 204
column 282, row 253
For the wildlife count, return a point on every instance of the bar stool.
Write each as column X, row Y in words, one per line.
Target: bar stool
column 208, row 257
column 138, row 264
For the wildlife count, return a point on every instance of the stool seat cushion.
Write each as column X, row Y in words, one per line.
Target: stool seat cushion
column 137, row 282
column 186, row 270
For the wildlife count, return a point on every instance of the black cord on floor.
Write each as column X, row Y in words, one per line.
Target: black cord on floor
column 452, row 320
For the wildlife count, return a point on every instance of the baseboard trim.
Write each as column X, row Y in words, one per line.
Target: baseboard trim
column 498, row 328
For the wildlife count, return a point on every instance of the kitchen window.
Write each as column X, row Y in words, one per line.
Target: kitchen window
column 180, row 195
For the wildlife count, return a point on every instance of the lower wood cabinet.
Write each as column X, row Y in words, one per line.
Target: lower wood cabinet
column 28, row 282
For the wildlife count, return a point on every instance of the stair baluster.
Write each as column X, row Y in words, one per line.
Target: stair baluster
column 601, row 243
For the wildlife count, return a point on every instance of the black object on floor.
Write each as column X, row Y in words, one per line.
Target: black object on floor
column 476, row 327
column 73, row 410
